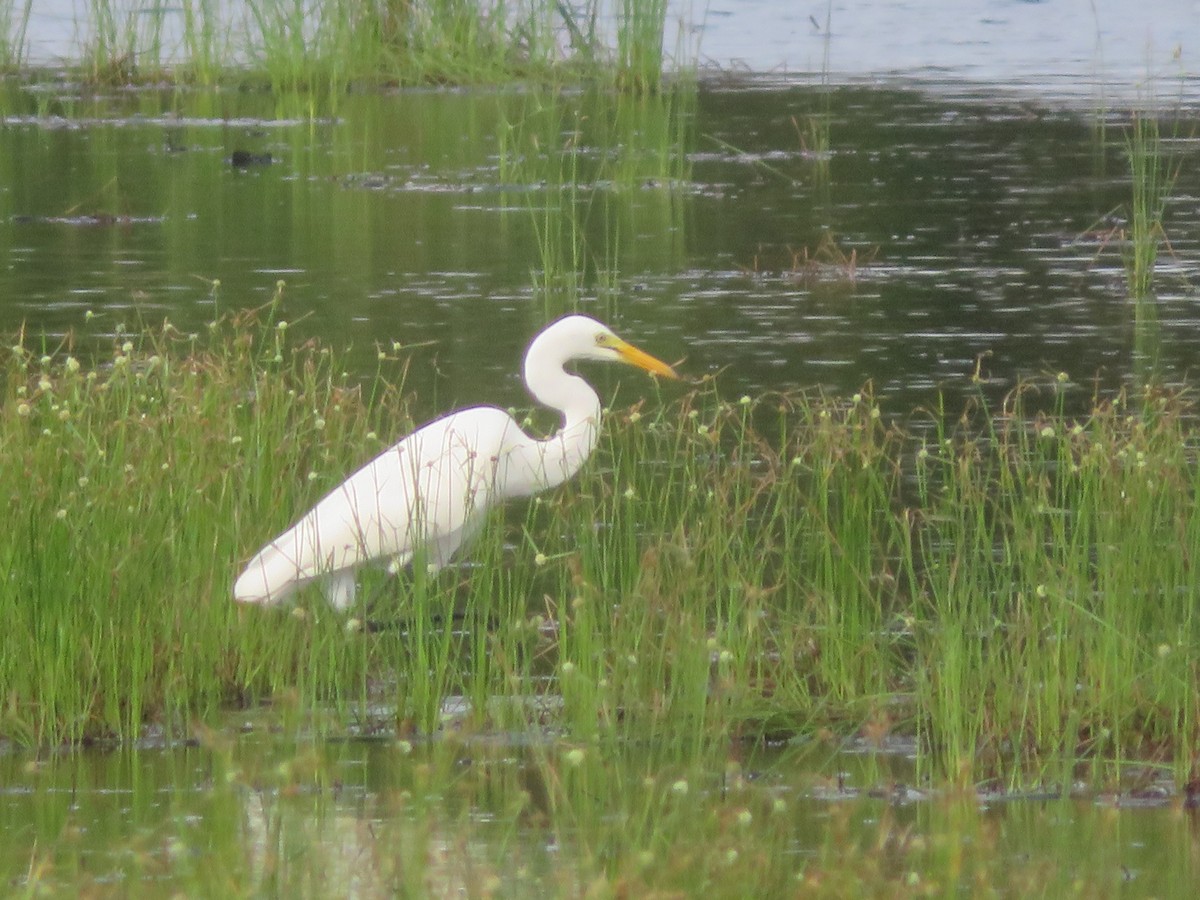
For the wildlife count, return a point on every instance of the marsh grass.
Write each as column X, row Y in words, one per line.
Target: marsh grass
column 205, row 39
column 1152, row 176
column 1013, row 586
column 590, row 169
column 112, row 56
column 14, row 22
column 641, row 25
column 128, row 483
column 333, row 45
column 826, row 261
column 815, row 135
column 1056, row 582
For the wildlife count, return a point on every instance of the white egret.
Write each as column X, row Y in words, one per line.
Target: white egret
column 427, row 495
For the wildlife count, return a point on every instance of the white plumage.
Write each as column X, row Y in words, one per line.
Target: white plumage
column 430, row 493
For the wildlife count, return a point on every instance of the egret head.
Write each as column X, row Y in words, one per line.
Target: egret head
column 582, row 337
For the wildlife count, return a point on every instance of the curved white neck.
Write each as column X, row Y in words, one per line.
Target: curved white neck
column 538, row 465
column 564, row 453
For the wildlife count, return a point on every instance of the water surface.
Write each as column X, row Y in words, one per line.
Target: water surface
column 981, row 225
column 259, row 814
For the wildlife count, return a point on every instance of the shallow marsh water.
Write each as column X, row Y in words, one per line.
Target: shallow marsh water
column 259, row 814
column 985, row 219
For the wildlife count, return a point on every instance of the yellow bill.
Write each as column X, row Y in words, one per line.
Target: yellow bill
column 643, row 360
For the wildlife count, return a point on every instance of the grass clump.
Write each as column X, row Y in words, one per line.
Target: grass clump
column 330, row 46
column 998, row 588
column 14, row 20
column 1152, row 179
column 587, row 207
column 1056, row 567
column 127, row 485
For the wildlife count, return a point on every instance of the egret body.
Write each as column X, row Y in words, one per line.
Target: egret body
column 431, row 492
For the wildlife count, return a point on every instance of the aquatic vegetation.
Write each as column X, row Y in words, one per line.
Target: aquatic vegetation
column 1152, row 177
column 587, row 207
column 1058, row 567
column 788, row 565
column 333, row 44
column 815, row 138
column 828, row 260
column 14, row 20
column 640, row 28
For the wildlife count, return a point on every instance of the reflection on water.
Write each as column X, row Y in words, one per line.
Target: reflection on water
column 259, row 814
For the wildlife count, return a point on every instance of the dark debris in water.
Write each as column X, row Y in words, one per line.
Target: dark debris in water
column 244, row 159
column 89, row 220
column 422, row 182
column 1160, row 795
column 82, row 123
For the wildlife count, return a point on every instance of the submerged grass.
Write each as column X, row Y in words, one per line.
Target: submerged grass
column 1014, row 586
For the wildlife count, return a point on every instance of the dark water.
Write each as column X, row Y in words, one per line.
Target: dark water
column 981, row 223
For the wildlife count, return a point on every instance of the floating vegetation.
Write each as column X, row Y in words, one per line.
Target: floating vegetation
column 828, row 260
column 1012, row 586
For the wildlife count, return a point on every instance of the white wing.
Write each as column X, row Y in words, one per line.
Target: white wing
column 426, row 494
